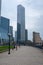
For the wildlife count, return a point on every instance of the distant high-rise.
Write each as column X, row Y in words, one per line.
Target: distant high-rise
column 36, row 38
column 11, row 32
column 26, row 35
column 20, row 23
column 15, row 36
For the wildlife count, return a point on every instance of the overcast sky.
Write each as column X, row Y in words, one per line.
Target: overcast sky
column 33, row 14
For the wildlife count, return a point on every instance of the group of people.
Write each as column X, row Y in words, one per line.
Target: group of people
column 15, row 46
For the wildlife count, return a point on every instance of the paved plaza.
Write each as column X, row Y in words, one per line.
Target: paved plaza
column 25, row 55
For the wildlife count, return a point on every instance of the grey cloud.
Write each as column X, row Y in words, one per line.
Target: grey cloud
column 35, row 4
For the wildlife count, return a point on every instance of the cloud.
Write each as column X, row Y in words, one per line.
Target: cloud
column 35, row 4
column 19, row 1
column 32, row 12
column 9, row 6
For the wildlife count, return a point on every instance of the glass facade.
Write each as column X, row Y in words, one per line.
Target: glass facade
column 4, row 28
column 0, row 11
column 5, row 23
column 11, row 32
column 18, row 32
column 26, row 35
column 0, row 7
column 20, row 23
column 15, row 36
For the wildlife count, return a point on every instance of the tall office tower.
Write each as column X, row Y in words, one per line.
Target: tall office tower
column 0, row 11
column 20, row 23
column 0, row 7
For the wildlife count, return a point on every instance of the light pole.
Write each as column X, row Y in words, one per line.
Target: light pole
column 0, row 38
column 9, row 42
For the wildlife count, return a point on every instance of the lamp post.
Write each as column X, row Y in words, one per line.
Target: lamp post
column 9, row 42
column 0, row 38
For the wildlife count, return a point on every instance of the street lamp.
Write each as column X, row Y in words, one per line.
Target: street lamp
column 0, row 38
column 9, row 42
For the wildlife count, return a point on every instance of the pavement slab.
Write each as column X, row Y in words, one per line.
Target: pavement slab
column 25, row 55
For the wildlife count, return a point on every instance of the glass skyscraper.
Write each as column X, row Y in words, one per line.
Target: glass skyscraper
column 20, row 23
column 4, row 28
column 0, row 7
column 0, row 11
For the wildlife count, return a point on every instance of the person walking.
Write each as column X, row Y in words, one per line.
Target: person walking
column 16, row 46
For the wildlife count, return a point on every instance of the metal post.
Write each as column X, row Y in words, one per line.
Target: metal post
column 9, row 44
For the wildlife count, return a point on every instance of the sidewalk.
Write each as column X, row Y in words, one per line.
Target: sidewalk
column 23, row 56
